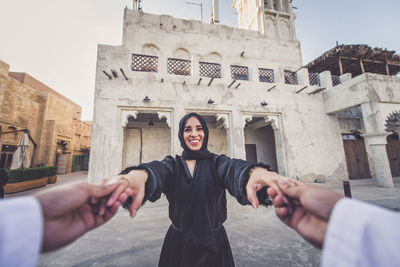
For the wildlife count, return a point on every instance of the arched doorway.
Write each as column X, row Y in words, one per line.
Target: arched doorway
column 260, row 142
column 147, row 138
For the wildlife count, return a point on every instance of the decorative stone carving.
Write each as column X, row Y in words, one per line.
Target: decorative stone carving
column 167, row 116
column 393, row 122
column 125, row 114
column 224, row 118
column 245, row 119
column 273, row 120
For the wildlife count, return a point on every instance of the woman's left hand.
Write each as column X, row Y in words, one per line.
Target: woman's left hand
column 260, row 177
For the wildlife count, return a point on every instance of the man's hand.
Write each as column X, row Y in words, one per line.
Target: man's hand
column 310, row 210
column 68, row 213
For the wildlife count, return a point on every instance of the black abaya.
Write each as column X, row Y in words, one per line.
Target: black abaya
column 197, row 206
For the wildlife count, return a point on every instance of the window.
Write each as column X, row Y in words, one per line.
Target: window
column 266, row 75
column 7, row 152
column 144, row 63
column 239, row 72
column 314, row 79
column 290, row 77
column 335, row 80
column 212, row 70
column 179, row 66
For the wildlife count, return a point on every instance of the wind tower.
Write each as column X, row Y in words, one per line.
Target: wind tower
column 274, row 18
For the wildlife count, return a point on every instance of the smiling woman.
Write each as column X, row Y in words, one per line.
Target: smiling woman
column 195, row 185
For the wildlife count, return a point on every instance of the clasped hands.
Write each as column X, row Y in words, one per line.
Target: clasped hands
column 305, row 208
column 71, row 210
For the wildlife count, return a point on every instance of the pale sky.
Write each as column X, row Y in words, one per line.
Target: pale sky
column 56, row 41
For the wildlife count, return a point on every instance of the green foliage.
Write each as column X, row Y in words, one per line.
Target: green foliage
column 22, row 175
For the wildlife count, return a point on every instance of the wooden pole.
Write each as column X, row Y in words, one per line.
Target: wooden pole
column 340, row 66
column 387, row 68
column 362, row 66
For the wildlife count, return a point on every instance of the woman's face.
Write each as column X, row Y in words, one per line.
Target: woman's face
column 193, row 134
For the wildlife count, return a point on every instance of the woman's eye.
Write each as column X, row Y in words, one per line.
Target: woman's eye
column 187, row 130
column 199, row 129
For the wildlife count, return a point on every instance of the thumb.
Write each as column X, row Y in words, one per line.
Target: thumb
column 101, row 190
column 290, row 189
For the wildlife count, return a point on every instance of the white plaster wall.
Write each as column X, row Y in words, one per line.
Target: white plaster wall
column 365, row 88
column 217, row 142
column 311, row 140
column 265, row 144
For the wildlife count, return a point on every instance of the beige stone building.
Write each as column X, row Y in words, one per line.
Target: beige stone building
column 250, row 83
column 52, row 120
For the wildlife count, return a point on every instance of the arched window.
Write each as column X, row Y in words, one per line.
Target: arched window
column 12, row 128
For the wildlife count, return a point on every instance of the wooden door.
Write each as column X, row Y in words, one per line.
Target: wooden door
column 393, row 153
column 356, row 157
column 251, row 153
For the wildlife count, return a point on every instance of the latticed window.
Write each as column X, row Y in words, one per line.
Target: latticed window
column 212, row 70
column 266, row 75
column 335, row 80
column 314, row 79
column 239, row 72
column 144, row 63
column 179, row 66
column 290, row 77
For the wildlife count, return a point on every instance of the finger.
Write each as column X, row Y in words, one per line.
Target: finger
column 102, row 205
column 101, row 190
column 271, row 192
column 123, row 197
column 278, row 201
column 281, row 211
column 114, row 196
column 251, row 190
column 125, row 194
column 137, row 201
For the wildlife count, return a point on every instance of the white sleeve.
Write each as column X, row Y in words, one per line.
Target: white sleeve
column 361, row 235
column 21, row 231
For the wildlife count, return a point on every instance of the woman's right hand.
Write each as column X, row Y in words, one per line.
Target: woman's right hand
column 131, row 184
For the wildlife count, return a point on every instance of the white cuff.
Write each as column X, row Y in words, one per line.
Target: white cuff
column 21, row 228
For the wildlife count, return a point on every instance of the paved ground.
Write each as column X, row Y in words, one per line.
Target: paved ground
column 257, row 237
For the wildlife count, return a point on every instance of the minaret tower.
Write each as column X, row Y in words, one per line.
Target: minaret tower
column 274, row 18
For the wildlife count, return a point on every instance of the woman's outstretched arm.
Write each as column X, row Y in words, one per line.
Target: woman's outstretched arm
column 244, row 179
column 146, row 181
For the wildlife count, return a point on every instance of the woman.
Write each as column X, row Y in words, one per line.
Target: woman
column 194, row 185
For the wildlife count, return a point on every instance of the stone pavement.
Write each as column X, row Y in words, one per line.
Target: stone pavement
column 257, row 237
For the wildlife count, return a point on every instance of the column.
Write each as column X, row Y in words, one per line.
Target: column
column 376, row 139
column 377, row 143
column 237, row 144
column 274, row 121
column 224, row 121
column 168, row 118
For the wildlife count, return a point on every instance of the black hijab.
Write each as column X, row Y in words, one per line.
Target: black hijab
column 188, row 154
